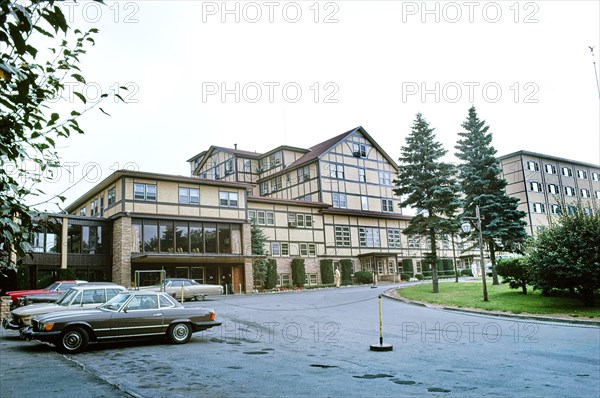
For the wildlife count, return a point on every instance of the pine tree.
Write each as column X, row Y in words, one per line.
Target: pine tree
column 257, row 242
column 428, row 185
column 503, row 225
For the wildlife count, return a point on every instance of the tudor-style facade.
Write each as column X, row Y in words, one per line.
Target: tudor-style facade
column 332, row 201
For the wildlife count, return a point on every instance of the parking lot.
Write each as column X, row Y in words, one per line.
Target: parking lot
column 317, row 343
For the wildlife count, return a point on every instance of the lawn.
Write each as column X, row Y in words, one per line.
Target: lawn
column 501, row 298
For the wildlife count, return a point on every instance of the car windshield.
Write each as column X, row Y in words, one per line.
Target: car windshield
column 116, row 303
column 53, row 286
column 193, row 282
column 66, row 299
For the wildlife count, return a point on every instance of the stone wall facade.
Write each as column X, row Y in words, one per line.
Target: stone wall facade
column 122, row 244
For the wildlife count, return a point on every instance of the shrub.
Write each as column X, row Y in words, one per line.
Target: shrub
column 363, row 277
column 405, row 277
column 327, row 271
column 346, row 271
column 466, row 272
column 259, row 272
column 515, row 272
column 271, row 278
column 298, row 272
column 419, row 276
column 407, row 266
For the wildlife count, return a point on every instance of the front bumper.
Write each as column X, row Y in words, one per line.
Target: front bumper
column 9, row 324
column 29, row 334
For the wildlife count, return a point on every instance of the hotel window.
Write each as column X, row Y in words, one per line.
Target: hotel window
column 566, row 171
column 553, row 189
column 550, row 168
column 597, row 194
column 145, row 192
column 260, row 218
column 228, row 199
column 359, row 150
column 535, row 186
column 101, row 206
column 311, row 279
column 229, row 166
column 305, row 198
column 587, row 211
column 270, row 218
column 275, row 249
column 82, row 211
column 532, row 166
column 285, row 249
column 569, row 191
column 216, row 174
column 342, row 236
column 385, row 178
column 555, row 209
column 276, row 184
column 264, row 188
column 369, row 237
column 414, row 242
column 339, row 200
column 308, row 250
column 336, row 171
column 189, row 196
column 393, row 236
column 247, row 166
column 303, row 174
column 581, row 174
column 251, row 215
column 585, row 193
column 387, row 205
column 571, row 209
column 93, row 207
column 595, row 177
column 539, row 208
column 362, row 175
column 275, row 159
column 112, row 196
column 284, row 279
column 364, row 203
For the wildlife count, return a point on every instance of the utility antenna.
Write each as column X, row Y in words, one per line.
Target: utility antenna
column 595, row 69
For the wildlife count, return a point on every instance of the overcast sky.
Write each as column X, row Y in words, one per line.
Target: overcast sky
column 264, row 74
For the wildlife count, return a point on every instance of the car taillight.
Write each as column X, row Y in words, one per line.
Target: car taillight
column 212, row 316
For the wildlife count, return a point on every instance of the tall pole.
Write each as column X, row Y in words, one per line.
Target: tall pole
column 482, row 264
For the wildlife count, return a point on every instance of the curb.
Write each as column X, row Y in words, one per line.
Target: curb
column 391, row 294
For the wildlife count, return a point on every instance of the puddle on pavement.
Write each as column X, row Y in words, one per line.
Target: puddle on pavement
column 256, row 352
column 403, row 382
column 373, row 376
column 437, row 389
column 323, row 366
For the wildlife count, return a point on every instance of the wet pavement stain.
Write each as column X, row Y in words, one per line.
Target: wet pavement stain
column 234, row 367
column 403, row 382
column 255, row 352
column 324, row 366
column 371, row 376
column 437, row 389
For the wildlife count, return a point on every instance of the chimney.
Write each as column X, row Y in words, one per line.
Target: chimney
column 235, row 146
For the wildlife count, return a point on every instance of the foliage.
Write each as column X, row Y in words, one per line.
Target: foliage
column 364, row 277
column 259, row 271
column 566, row 255
column 419, row 277
column 30, row 128
column 346, row 271
column 515, row 272
column 481, row 183
column 407, row 266
column 271, row 277
column 327, row 271
column 466, row 272
column 405, row 277
column 428, row 185
column 257, row 246
column 298, row 272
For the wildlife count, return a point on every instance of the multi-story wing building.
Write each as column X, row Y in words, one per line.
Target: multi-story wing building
column 547, row 185
column 332, row 201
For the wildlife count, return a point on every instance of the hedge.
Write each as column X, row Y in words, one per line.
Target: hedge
column 363, row 277
column 407, row 266
column 346, row 271
column 271, row 278
column 327, row 271
column 298, row 272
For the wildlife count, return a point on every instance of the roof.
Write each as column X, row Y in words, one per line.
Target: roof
column 550, row 157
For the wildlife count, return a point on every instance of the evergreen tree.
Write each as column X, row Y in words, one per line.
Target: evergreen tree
column 428, row 185
column 257, row 242
column 502, row 225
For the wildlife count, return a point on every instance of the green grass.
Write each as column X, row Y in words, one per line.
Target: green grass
column 501, row 298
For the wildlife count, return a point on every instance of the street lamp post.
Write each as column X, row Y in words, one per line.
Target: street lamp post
column 466, row 227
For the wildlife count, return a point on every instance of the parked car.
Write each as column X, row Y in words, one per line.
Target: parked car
column 79, row 297
column 191, row 288
column 58, row 286
column 128, row 315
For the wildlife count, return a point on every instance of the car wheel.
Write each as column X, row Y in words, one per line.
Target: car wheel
column 73, row 341
column 179, row 333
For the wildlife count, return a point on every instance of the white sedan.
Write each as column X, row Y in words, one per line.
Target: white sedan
column 189, row 287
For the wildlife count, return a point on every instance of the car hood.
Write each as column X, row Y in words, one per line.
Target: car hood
column 64, row 316
column 42, row 308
